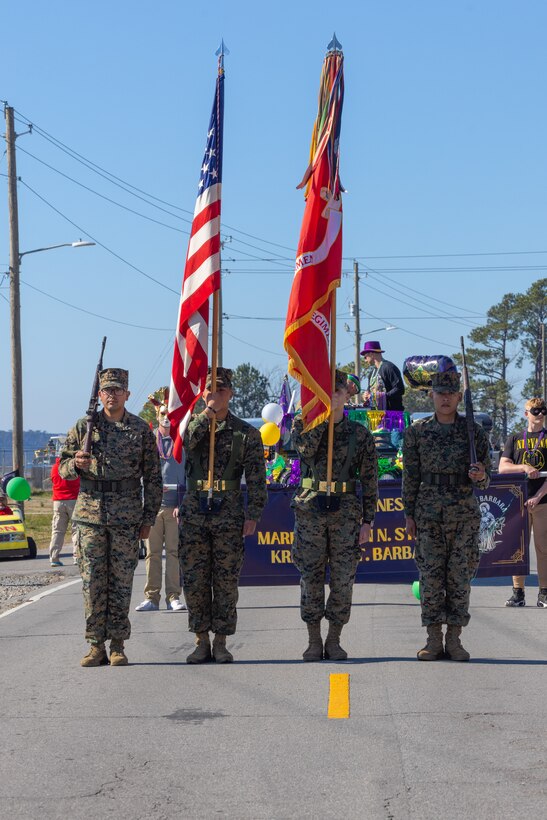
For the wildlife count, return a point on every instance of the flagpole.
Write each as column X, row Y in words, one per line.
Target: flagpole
column 330, row 441
column 212, row 423
column 221, row 51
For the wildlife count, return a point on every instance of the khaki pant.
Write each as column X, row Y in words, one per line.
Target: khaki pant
column 165, row 531
column 537, row 520
column 62, row 517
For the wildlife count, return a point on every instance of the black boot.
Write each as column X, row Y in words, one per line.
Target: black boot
column 333, row 650
column 314, row 652
column 517, row 598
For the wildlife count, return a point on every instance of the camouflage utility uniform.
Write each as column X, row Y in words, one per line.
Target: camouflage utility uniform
column 112, row 506
column 332, row 538
column 438, row 494
column 211, row 544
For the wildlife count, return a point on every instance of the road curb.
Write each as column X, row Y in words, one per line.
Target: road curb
column 43, row 594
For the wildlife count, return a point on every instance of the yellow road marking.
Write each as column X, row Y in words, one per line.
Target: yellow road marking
column 339, row 696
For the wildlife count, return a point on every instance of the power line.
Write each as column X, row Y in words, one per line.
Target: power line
column 443, row 255
column 94, row 239
column 343, row 316
column 277, row 258
column 115, row 180
column 410, row 332
column 427, row 296
column 467, row 269
column 136, row 397
column 447, row 316
column 107, row 198
column 119, row 182
column 248, row 344
column 404, row 302
column 90, row 312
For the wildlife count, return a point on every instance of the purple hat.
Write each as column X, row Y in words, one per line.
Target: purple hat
column 371, row 347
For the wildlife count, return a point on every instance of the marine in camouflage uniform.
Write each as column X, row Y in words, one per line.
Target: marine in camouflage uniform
column 332, row 538
column 212, row 539
column 443, row 514
column 120, row 495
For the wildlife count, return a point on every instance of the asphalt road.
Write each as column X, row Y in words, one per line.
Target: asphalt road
column 160, row 739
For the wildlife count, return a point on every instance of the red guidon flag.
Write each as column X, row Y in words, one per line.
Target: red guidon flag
column 201, row 279
column 319, row 256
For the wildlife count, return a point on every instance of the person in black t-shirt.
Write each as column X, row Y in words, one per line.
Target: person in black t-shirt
column 526, row 452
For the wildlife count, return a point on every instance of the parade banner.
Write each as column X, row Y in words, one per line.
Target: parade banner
column 388, row 557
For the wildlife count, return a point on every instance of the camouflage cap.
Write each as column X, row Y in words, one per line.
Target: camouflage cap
column 447, row 382
column 224, row 378
column 113, row 377
column 341, row 380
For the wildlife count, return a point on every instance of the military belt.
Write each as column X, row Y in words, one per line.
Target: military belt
column 335, row 486
column 100, row 486
column 218, row 486
column 445, row 479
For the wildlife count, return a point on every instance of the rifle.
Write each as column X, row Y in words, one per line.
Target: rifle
column 468, row 402
column 91, row 416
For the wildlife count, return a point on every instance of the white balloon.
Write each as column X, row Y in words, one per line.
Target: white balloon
column 272, row 412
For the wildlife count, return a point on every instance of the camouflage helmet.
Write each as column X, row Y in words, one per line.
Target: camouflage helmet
column 113, row 377
column 447, row 382
column 224, row 378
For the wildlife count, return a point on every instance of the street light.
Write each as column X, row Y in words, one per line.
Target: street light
column 18, row 456
column 79, row 244
column 377, row 329
column 374, row 330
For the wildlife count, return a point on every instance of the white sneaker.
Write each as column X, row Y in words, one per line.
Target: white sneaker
column 176, row 606
column 147, row 606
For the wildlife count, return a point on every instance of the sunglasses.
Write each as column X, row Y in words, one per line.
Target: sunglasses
column 113, row 391
column 536, row 411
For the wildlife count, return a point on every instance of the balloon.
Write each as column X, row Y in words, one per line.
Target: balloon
column 416, row 589
column 19, row 489
column 270, row 434
column 273, row 413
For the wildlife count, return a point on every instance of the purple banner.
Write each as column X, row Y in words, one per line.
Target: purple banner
column 389, row 555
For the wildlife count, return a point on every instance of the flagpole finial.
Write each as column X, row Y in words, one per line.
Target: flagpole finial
column 334, row 44
column 220, row 52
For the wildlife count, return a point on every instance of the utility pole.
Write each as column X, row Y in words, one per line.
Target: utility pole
column 18, row 455
column 543, row 385
column 357, row 321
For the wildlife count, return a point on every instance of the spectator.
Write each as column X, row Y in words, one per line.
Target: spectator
column 165, row 532
column 383, row 377
column 64, row 495
column 5, row 509
column 354, row 388
column 526, row 452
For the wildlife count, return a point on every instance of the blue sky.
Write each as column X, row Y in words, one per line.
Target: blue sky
column 443, row 155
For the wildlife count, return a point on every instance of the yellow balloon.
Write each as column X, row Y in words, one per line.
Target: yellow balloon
column 270, row 434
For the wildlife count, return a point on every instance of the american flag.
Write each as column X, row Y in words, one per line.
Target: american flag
column 201, row 279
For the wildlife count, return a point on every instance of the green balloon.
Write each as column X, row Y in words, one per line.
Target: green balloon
column 416, row 589
column 18, row 488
